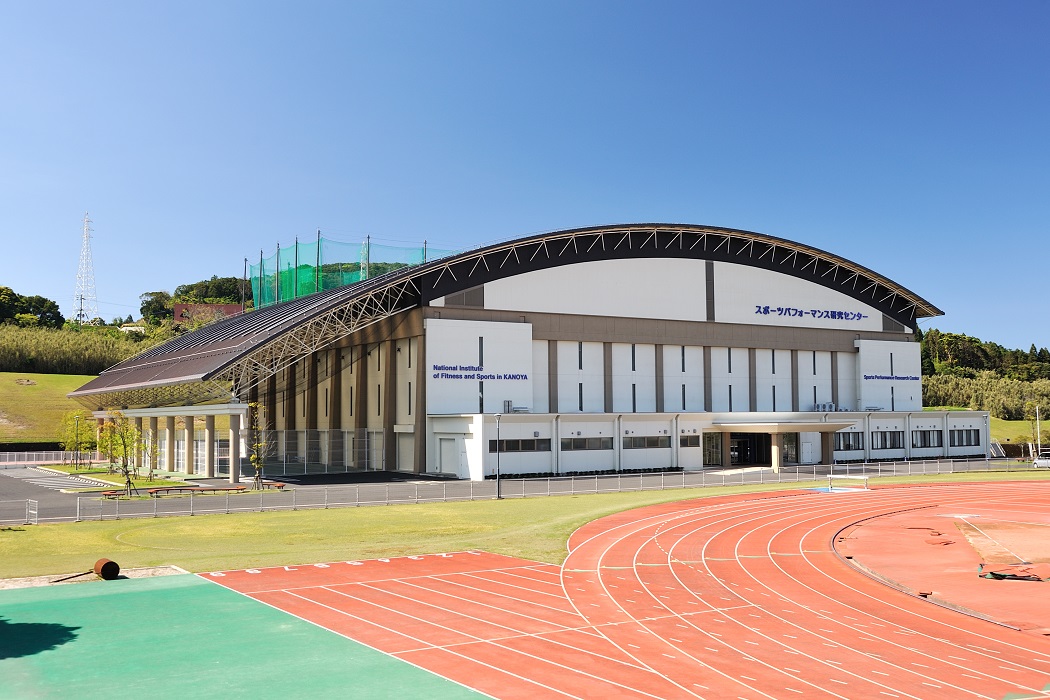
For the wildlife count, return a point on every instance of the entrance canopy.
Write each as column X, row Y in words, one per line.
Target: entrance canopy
column 781, row 427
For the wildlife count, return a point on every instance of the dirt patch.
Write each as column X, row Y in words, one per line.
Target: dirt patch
column 8, row 423
column 1003, row 542
column 144, row 572
column 25, row 382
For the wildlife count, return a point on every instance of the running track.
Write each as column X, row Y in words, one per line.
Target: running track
column 738, row 597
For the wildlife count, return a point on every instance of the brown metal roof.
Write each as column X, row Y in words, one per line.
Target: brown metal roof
column 199, row 366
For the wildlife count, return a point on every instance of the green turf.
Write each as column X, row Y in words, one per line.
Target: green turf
column 533, row 528
column 185, row 637
column 33, row 412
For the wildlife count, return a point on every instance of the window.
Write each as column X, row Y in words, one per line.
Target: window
column 410, row 397
column 773, row 363
column 730, row 397
column 633, row 364
column 647, row 442
column 634, row 398
column 683, row 358
column 582, row 443
column 774, row 397
column 579, row 352
column 581, row 397
column 481, row 397
column 846, row 442
column 729, row 360
column 689, row 441
column 529, row 445
column 969, row 437
column 683, row 397
column 481, row 352
column 887, row 439
column 927, row 438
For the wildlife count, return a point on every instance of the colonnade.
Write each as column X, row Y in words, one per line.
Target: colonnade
column 175, row 422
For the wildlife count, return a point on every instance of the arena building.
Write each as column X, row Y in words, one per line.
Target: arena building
column 615, row 348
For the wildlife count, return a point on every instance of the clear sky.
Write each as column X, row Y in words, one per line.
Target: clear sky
column 910, row 137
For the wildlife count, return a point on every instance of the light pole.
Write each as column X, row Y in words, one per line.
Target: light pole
column 1038, row 434
column 498, row 495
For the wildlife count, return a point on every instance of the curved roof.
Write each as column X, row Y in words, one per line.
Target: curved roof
column 228, row 356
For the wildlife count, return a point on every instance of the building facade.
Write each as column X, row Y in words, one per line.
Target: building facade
column 639, row 347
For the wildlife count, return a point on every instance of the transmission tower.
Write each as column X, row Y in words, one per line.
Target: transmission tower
column 85, row 304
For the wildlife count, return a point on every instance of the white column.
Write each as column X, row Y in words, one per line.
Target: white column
column 209, row 446
column 776, row 451
column 187, row 429
column 154, row 442
column 169, row 443
column 138, row 443
column 235, row 448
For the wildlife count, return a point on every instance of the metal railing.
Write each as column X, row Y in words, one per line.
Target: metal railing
column 359, row 495
column 21, row 511
column 55, row 457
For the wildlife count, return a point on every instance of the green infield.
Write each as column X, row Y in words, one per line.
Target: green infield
column 185, row 637
column 532, row 528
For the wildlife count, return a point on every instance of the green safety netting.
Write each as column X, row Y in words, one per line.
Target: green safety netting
column 306, row 268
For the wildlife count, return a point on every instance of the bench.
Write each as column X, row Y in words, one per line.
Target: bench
column 273, row 485
column 228, row 489
column 161, row 490
column 113, row 494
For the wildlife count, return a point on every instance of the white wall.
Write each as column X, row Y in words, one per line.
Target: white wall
column 751, row 295
column 608, row 288
column 641, row 375
column 729, row 368
column 889, row 375
column 675, row 377
column 814, row 379
column 849, row 398
column 541, row 400
column 570, row 376
column 506, row 372
column 772, row 369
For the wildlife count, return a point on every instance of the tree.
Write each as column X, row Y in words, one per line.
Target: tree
column 8, row 303
column 156, row 307
column 257, row 445
column 123, row 441
column 217, row 290
column 45, row 311
column 77, row 434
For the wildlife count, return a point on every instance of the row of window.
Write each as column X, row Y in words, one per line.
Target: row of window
column 894, row 439
column 844, row 442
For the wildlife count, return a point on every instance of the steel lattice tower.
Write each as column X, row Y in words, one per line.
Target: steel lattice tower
column 85, row 304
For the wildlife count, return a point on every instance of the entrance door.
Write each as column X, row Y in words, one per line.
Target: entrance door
column 449, row 456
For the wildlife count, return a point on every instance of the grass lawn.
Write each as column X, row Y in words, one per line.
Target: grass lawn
column 533, row 528
column 32, row 405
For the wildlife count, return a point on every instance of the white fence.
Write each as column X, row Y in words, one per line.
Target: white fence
column 11, row 458
column 402, row 492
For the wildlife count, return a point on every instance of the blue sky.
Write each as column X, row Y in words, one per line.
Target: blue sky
column 909, row 137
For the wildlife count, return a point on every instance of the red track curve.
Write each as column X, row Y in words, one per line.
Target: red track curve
column 740, row 596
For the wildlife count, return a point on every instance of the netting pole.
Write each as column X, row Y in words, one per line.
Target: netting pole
column 277, row 278
column 295, row 272
column 317, row 268
column 262, row 275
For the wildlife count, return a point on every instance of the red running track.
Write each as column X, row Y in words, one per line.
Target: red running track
column 733, row 597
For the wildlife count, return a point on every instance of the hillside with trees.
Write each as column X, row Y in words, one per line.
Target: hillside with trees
column 965, row 372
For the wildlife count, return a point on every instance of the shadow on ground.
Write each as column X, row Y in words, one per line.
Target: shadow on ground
column 28, row 638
